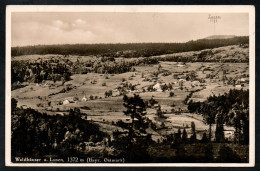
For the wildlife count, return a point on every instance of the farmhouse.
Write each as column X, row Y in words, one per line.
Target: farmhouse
column 60, row 113
column 229, row 134
column 182, row 80
column 116, row 93
column 65, row 102
column 195, row 83
column 243, row 81
column 71, row 99
column 157, row 87
column 68, row 100
column 24, row 106
column 84, row 99
column 180, row 65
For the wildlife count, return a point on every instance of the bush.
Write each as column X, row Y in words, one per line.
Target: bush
column 153, row 102
column 150, row 88
column 85, row 107
column 171, row 94
column 121, row 124
column 164, row 87
column 108, row 93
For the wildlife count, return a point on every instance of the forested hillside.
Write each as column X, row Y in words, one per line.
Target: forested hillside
column 128, row 50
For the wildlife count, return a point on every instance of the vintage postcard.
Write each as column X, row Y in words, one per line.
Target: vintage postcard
column 130, row 86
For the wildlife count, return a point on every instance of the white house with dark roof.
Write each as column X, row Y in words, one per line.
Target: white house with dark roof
column 157, row 87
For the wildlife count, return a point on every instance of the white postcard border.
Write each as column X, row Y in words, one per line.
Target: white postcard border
column 124, row 8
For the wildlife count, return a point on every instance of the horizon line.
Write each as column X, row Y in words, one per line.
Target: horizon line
column 131, row 42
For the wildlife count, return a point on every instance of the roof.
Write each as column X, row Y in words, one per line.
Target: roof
column 66, row 100
column 157, row 85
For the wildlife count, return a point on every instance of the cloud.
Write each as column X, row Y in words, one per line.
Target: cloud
column 39, row 33
column 78, row 24
column 58, row 22
column 61, row 25
column 80, row 21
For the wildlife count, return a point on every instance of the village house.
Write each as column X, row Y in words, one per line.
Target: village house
column 181, row 81
column 68, row 100
column 60, row 113
column 180, row 65
column 84, row 99
column 195, row 83
column 65, row 102
column 157, row 87
column 242, row 81
column 116, row 92
column 229, row 134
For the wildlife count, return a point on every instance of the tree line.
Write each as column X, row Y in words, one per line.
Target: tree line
column 62, row 69
column 24, row 71
column 128, row 50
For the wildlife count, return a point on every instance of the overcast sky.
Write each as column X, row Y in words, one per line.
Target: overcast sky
column 33, row 28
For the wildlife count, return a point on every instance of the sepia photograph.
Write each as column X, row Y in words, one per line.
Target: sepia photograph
column 130, row 86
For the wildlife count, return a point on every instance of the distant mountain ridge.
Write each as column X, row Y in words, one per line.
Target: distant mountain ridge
column 221, row 37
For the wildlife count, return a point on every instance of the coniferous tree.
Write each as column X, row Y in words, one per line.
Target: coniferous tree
column 219, row 134
column 177, row 137
column 184, row 136
column 204, row 138
column 193, row 137
column 13, row 104
column 135, row 108
column 159, row 112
